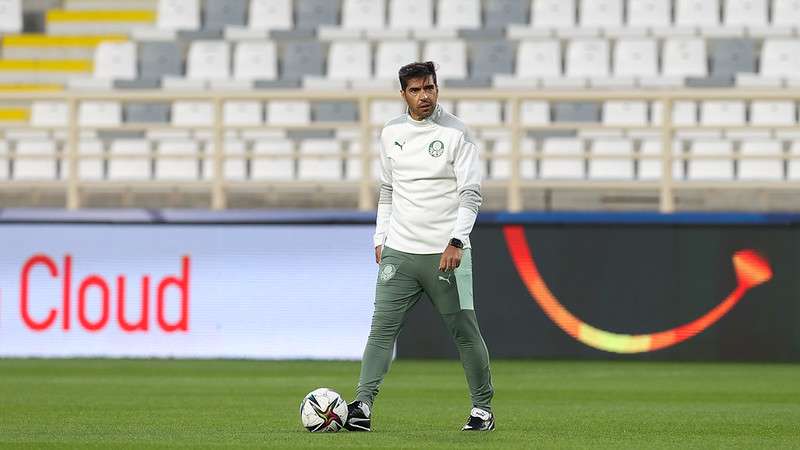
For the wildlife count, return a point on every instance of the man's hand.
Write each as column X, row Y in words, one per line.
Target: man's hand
column 378, row 250
column 451, row 258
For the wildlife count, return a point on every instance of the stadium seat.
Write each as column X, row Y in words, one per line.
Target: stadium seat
column 235, row 164
column 188, row 113
column 134, row 162
column 324, row 167
column 491, row 57
column 474, row 112
column 761, row 169
column 364, row 14
column 10, row 16
column 46, row 113
column 684, row 58
column 417, row 14
column 147, row 112
column 255, row 60
column 36, row 160
column 115, row 60
column 288, row 112
column 209, row 60
column 391, row 55
column 601, row 13
column 534, row 112
column 500, row 164
column 732, row 56
column 160, row 59
column 649, row 13
column 100, row 113
column 219, row 14
column 780, row 58
column 617, row 113
column 497, row 13
column 353, row 167
column 576, row 112
column 553, row 13
column 683, row 113
column 179, row 14
column 243, row 112
column 302, row 59
column 334, row 111
column 650, row 165
column 635, row 58
column 710, row 169
column 745, row 12
column 175, row 160
column 587, row 58
column 793, row 166
column 382, row 111
column 273, row 160
column 562, row 167
column 271, row 15
column 539, row 59
column 725, row 112
column 91, row 168
column 451, row 55
column 611, row 168
column 5, row 163
column 781, row 112
column 310, row 14
column 349, row 60
column 697, row 12
column 785, row 13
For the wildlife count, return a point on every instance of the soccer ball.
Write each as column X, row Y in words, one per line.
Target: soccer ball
column 323, row 410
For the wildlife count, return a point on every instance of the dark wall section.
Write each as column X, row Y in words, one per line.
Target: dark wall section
column 631, row 279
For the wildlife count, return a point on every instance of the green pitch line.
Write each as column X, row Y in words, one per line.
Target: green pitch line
column 191, row 404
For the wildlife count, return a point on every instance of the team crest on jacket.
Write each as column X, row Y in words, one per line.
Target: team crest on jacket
column 388, row 272
column 436, row 148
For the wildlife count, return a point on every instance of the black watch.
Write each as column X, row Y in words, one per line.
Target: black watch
column 456, row 243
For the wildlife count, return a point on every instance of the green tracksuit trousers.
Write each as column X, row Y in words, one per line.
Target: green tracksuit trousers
column 402, row 279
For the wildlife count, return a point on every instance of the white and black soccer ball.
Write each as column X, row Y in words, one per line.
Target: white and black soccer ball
column 323, row 410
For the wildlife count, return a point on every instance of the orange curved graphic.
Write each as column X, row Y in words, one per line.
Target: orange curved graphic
column 751, row 270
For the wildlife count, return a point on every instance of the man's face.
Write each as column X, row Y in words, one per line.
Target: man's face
column 420, row 95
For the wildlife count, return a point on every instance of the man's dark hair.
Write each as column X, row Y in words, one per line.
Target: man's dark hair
column 416, row 70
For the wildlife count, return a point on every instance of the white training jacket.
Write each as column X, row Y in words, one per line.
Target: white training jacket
column 430, row 183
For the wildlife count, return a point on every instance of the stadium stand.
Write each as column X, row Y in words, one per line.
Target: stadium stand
column 303, row 85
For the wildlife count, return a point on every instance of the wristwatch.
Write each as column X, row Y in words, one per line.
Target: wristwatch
column 456, row 243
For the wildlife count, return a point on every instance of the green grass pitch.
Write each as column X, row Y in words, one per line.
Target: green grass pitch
column 539, row 404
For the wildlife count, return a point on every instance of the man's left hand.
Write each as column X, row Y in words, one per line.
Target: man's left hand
column 451, row 258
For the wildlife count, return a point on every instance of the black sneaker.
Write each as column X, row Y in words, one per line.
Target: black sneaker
column 358, row 417
column 479, row 420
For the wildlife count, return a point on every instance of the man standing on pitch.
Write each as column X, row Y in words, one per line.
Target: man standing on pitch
column 429, row 199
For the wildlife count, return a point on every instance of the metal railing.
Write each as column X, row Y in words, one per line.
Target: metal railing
column 514, row 185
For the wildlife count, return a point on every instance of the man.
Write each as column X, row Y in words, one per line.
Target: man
column 429, row 199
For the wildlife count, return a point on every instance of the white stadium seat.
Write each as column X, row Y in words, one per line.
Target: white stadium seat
column 288, row 112
column 611, row 168
column 136, row 162
column 184, row 164
column 209, row 60
column 785, row 13
column 683, row 113
column 761, row 169
column 458, row 14
column 90, row 168
column 538, row 59
column 115, row 60
column 713, row 112
column 391, row 55
column 42, row 164
column 745, row 12
column 382, row 111
column 451, row 55
column 563, row 167
column 710, row 169
column 243, row 112
column 404, row 14
column 601, row 13
column 793, row 167
column 100, row 113
column 235, row 164
column 649, row 13
column 534, row 112
column 485, row 112
column 188, row 113
column 500, row 165
column 696, row 12
column 616, row 113
column 553, row 13
column 47, row 113
column 587, row 58
column 277, row 162
column 780, row 58
column 780, row 112
column 650, row 167
column 684, row 57
column 10, row 16
column 349, row 60
column 635, row 58
column 179, row 14
column 271, row 15
column 255, row 60
column 364, row 14
column 324, row 167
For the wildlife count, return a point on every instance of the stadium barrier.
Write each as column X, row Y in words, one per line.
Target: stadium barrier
column 514, row 186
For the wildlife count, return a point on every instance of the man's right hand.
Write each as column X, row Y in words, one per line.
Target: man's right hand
column 378, row 250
